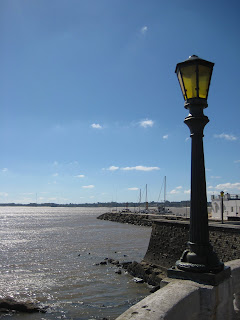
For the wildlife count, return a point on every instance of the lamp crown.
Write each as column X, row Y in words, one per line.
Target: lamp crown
column 194, row 56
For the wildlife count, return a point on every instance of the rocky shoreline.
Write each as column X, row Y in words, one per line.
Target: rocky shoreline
column 143, row 271
column 9, row 304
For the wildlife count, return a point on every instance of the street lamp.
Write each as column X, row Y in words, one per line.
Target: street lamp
column 198, row 262
column 222, row 194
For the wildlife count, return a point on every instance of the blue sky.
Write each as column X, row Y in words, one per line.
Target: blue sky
column 91, row 109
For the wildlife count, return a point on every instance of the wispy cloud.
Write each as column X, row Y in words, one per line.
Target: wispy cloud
column 215, row 177
column 174, row 191
column 228, row 185
column 179, row 187
column 237, row 161
column 91, row 186
column 187, row 191
column 144, row 30
column 146, row 123
column 225, row 136
column 3, row 194
column 140, row 168
column 113, row 168
column 165, row 137
column 80, row 176
column 55, row 174
column 133, row 189
column 96, row 126
column 5, row 170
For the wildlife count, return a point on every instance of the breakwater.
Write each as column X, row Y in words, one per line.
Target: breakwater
column 131, row 218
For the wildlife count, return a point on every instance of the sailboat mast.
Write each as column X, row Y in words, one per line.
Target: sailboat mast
column 165, row 194
column 146, row 199
column 140, row 199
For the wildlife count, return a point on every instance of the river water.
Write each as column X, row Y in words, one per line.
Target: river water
column 50, row 254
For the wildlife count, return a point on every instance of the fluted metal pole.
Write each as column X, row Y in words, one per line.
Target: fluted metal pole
column 199, row 257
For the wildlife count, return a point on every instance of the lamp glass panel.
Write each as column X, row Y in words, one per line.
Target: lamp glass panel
column 181, row 84
column 204, row 74
column 189, row 80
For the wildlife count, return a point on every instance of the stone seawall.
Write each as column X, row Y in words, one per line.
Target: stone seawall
column 169, row 237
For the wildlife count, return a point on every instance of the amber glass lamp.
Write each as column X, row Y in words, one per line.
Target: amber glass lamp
column 194, row 76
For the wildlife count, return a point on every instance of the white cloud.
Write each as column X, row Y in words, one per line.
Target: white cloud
column 188, row 138
column 165, row 137
column 80, row 176
column 174, row 191
column 187, row 191
column 144, row 30
column 113, row 168
column 52, row 199
column 225, row 136
column 228, row 185
column 55, row 174
column 55, row 163
column 215, row 177
column 179, row 187
column 133, row 189
column 91, row 186
column 3, row 194
column 237, row 161
column 146, row 123
column 96, row 126
column 140, row 168
column 5, row 170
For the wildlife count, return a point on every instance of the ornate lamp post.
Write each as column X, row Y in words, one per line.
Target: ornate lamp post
column 222, row 194
column 198, row 262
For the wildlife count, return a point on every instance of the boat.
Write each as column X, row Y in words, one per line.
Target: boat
column 161, row 208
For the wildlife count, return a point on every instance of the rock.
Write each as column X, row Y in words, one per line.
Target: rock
column 126, row 264
column 138, row 280
column 118, row 271
column 9, row 303
column 103, row 262
column 154, row 289
column 150, row 274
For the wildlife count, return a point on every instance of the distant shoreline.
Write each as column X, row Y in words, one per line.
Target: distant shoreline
column 112, row 205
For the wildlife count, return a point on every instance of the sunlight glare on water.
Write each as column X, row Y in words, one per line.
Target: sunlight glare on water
column 49, row 255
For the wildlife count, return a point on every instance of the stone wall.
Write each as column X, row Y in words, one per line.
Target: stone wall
column 188, row 300
column 169, row 238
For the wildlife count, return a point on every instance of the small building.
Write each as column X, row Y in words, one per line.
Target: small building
column 231, row 206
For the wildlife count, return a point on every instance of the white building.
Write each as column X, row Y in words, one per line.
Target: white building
column 231, row 206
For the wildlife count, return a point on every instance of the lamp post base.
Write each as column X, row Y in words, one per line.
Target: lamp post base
column 212, row 279
column 200, row 258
